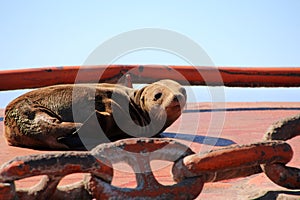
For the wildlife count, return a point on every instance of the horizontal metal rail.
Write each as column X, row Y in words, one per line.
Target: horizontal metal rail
column 214, row 76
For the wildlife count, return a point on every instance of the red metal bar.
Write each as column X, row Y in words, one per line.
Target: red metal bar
column 227, row 76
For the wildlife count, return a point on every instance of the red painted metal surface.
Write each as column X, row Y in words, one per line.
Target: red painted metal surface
column 228, row 76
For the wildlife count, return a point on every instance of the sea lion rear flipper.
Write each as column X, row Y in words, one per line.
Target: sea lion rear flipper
column 36, row 127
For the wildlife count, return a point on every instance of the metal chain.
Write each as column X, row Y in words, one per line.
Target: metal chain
column 279, row 173
column 232, row 162
column 138, row 153
column 190, row 170
column 54, row 167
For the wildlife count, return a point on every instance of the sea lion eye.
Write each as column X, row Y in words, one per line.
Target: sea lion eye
column 143, row 99
column 157, row 96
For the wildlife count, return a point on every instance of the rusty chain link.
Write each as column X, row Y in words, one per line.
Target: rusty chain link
column 279, row 173
column 190, row 170
column 138, row 153
column 54, row 167
column 232, row 162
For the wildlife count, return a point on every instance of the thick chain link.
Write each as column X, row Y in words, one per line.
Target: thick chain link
column 279, row 173
column 54, row 167
column 190, row 170
column 138, row 153
column 232, row 162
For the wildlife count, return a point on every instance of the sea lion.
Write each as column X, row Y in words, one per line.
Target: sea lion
column 68, row 116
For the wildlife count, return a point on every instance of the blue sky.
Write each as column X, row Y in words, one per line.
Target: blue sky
column 232, row 32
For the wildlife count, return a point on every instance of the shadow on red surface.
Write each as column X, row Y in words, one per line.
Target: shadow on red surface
column 270, row 195
column 213, row 141
column 239, row 109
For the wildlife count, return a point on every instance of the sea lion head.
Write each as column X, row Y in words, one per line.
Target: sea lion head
column 163, row 100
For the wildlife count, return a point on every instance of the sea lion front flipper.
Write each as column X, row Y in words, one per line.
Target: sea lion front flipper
column 72, row 141
column 55, row 129
column 90, row 134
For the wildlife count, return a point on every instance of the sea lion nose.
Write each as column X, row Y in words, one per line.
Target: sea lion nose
column 182, row 91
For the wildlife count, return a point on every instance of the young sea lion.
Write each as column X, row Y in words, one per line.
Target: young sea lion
column 68, row 116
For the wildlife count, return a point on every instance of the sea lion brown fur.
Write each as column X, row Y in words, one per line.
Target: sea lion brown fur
column 61, row 116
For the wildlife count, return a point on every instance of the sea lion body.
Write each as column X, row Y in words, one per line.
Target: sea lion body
column 60, row 117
